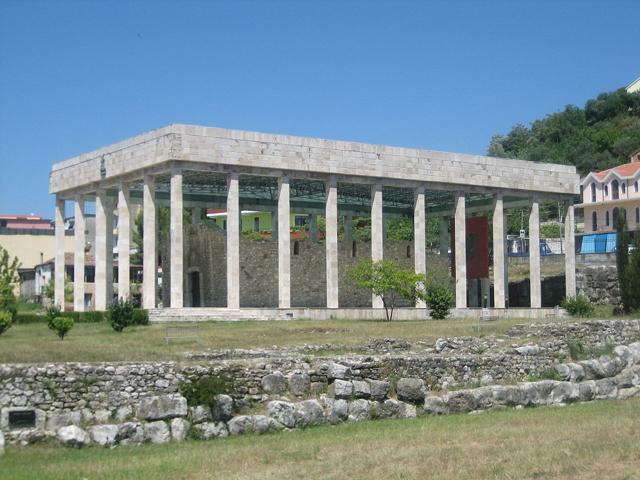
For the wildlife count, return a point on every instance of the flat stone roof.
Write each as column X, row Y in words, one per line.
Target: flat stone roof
column 222, row 150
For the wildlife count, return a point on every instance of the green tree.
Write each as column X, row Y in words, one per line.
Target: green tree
column 50, row 289
column 8, row 279
column 622, row 262
column 163, row 219
column 387, row 280
column 631, row 276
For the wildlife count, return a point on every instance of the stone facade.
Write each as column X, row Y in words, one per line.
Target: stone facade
column 205, row 253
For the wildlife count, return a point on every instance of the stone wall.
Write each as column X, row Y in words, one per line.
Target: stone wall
column 350, row 395
column 597, row 278
column 92, row 392
column 205, row 252
column 553, row 292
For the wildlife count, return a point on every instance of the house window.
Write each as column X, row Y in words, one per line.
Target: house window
column 636, row 185
column 616, row 214
column 3, row 223
column 637, row 217
column 593, row 192
column 606, row 218
column 301, row 220
column 624, row 188
column 594, row 222
column 614, row 190
column 606, row 190
column 256, row 224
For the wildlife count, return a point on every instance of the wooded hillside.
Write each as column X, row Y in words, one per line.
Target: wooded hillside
column 599, row 136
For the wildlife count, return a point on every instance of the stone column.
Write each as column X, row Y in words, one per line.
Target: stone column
column 377, row 238
column 419, row 236
column 331, row 242
column 100, row 248
column 149, row 260
column 176, row 240
column 570, row 251
column 313, row 227
column 534, row 255
column 196, row 215
column 58, row 295
column 109, row 208
column 498, row 252
column 348, row 227
column 461, row 251
column 233, row 241
column 284, row 245
column 124, row 242
column 78, row 257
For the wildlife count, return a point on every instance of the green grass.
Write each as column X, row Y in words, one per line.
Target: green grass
column 588, row 441
column 92, row 342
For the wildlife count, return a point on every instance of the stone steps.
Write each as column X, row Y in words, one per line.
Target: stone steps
column 215, row 314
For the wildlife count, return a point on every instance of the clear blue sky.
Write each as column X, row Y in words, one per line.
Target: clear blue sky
column 75, row 76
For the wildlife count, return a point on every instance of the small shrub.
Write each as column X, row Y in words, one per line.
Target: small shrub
column 140, row 316
column 203, row 390
column 5, row 321
column 578, row 306
column 62, row 325
column 548, row 374
column 439, row 299
column 121, row 314
column 51, row 313
column 576, row 350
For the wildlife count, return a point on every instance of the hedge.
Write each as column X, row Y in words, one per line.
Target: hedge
column 140, row 317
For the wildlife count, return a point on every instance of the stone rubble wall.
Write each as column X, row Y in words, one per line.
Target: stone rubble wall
column 164, row 418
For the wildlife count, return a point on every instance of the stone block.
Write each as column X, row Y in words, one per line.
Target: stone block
column 104, row 435
column 337, row 410
column 379, row 389
column 411, row 390
column 73, row 436
column 275, row 383
column 359, row 410
column 162, row 407
column 361, row 389
column 130, row 433
column 201, row 413
column 179, row 429
column 240, row 425
column 299, row 383
column 156, row 432
column 341, row 389
column 208, row 430
column 435, row 406
column 222, row 408
column 308, row 413
column 282, row 412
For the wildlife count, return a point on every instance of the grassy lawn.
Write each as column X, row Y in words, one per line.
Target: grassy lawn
column 587, row 441
column 90, row 342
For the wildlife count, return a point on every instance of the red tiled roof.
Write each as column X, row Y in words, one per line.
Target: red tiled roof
column 625, row 170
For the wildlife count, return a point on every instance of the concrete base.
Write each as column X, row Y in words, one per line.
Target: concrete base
column 230, row 315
